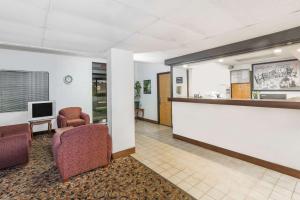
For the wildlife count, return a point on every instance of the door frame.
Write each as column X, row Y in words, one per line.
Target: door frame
column 158, row 96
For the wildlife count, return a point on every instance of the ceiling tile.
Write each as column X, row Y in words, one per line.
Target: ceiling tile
column 89, row 28
column 7, row 27
column 142, row 43
column 17, row 33
column 71, row 47
column 106, row 11
column 19, row 39
column 256, row 11
column 170, row 32
column 75, row 41
column 44, row 4
column 204, row 17
column 157, row 8
column 19, row 11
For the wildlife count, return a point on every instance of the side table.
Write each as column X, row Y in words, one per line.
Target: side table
column 39, row 122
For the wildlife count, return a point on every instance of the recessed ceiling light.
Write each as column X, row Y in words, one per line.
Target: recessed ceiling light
column 185, row 66
column 221, row 60
column 277, row 50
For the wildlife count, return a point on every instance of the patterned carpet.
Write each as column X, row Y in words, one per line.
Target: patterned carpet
column 125, row 178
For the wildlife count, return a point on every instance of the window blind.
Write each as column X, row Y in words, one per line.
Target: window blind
column 17, row 88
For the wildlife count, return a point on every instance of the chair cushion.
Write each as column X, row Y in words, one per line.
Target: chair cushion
column 71, row 113
column 75, row 122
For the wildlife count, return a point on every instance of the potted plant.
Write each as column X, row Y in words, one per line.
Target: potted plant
column 137, row 94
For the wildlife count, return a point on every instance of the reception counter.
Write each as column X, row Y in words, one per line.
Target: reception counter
column 263, row 132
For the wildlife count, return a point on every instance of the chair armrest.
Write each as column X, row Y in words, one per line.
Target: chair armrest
column 14, row 143
column 61, row 121
column 85, row 117
column 14, row 128
column 14, row 150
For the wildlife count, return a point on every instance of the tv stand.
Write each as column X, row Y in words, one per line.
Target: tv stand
column 39, row 122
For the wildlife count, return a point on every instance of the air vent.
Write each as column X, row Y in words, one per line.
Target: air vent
column 255, row 58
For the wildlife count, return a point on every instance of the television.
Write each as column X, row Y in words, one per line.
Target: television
column 40, row 110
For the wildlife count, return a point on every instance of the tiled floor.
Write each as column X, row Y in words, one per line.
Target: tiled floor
column 207, row 175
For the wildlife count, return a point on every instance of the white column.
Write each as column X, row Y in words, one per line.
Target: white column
column 120, row 78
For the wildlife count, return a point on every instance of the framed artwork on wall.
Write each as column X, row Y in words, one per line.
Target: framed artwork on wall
column 179, row 80
column 147, row 86
column 277, row 76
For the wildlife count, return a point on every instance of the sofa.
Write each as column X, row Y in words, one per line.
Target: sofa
column 15, row 141
column 72, row 116
column 81, row 149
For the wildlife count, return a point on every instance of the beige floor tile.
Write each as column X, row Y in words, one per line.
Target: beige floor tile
column 206, row 197
column 270, row 179
column 203, row 187
column 192, row 180
column 175, row 180
column 289, row 185
column 215, row 194
column 195, row 192
column 296, row 196
column 185, row 186
column 279, row 193
column 297, row 188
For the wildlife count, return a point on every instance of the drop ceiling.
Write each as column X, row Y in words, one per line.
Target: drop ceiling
column 153, row 29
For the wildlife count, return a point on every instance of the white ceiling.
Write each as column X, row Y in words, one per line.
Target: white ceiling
column 153, row 29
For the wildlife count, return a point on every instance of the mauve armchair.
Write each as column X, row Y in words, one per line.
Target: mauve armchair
column 14, row 145
column 81, row 149
column 72, row 116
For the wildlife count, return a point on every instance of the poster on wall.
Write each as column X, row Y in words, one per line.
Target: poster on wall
column 147, row 86
column 277, row 76
column 179, row 80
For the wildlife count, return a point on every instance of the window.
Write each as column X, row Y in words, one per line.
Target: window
column 17, row 88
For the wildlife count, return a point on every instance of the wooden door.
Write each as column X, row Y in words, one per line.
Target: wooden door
column 164, row 105
column 241, row 90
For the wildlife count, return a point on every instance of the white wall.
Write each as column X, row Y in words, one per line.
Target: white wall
column 79, row 93
column 148, row 71
column 207, row 77
column 270, row 134
column 120, row 78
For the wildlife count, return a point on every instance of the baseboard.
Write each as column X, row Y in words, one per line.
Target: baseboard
column 273, row 166
column 123, row 153
column 147, row 120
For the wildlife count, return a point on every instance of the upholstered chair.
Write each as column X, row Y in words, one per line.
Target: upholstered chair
column 72, row 116
column 81, row 149
column 15, row 141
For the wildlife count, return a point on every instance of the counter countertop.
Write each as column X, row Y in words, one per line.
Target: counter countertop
column 288, row 104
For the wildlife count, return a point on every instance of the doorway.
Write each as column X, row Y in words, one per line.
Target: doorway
column 164, row 106
column 241, row 91
column 99, row 93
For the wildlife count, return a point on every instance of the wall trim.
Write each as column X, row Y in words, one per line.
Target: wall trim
column 273, row 166
column 147, row 120
column 124, row 153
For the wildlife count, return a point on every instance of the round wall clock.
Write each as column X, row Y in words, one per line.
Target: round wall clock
column 68, row 79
